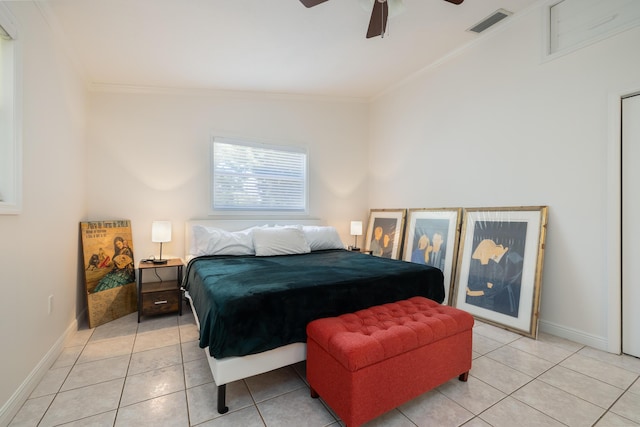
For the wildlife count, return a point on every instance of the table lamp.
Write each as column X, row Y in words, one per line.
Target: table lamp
column 160, row 233
column 356, row 230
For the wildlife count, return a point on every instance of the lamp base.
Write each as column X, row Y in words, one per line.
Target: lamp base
column 159, row 261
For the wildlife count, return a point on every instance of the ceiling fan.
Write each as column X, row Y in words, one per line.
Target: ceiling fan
column 379, row 15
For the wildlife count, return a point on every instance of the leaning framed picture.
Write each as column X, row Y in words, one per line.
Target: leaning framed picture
column 431, row 238
column 384, row 232
column 499, row 272
column 109, row 273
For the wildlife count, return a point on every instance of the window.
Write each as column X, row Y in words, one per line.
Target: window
column 10, row 146
column 573, row 24
column 254, row 177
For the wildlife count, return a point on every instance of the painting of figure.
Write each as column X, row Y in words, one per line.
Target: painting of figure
column 495, row 270
column 431, row 238
column 499, row 271
column 384, row 233
column 110, row 281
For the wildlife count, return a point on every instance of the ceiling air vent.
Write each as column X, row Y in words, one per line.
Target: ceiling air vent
column 490, row 20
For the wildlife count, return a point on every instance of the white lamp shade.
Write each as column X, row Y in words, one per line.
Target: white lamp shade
column 161, row 231
column 356, row 228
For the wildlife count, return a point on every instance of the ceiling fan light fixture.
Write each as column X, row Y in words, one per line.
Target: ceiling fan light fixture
column 381, row 10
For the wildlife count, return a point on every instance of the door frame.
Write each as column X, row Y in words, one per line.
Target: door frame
column 614, row 217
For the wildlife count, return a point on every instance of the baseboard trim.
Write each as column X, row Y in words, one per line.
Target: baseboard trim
column 599, row 343
column 15, row 402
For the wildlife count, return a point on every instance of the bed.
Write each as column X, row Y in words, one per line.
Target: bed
column 253, row 287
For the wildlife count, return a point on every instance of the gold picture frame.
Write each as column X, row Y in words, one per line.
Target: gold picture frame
column 499, row 271
column 384, row 232
column 431, row 238
column 109, row 271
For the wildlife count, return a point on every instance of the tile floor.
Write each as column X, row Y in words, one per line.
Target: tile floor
column 153, row 373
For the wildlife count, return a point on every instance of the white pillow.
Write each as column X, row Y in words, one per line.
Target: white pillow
column 322, row 237
column 279, row 241
column 215, row 241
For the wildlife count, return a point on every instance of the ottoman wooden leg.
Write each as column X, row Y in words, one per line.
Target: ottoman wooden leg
column 314, row 394
column 464, row 377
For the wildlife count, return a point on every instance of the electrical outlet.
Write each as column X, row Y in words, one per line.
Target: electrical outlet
column 50, row 309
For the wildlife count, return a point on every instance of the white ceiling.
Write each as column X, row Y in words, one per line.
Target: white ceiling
column 262, row 45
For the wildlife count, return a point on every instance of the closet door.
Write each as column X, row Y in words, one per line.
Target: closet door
column 631, row 225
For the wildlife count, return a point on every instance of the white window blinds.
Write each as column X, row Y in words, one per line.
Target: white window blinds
column 257, row 177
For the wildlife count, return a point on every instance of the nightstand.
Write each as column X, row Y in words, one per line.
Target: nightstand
column 163, row 296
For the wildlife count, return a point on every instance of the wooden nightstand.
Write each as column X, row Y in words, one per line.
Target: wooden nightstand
column 163, row 296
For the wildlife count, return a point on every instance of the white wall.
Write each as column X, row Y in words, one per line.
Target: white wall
column 497, row 126
column 493, row 126
column 148, row 154
column 39, row 247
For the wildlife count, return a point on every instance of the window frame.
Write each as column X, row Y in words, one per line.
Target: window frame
column 11, row 142
column 243, row 211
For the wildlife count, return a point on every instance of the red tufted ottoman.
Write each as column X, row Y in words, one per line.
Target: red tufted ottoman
column 366, row 363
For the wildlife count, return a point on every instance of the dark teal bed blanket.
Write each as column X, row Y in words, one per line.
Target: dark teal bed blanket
column 248, row 304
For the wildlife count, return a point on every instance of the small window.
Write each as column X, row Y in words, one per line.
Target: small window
column 573, row 24
column 10, row 146
column 252, row 177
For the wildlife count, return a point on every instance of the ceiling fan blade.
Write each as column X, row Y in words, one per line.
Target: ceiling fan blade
column 455, row 1
column 378, row 21
column 311, row 3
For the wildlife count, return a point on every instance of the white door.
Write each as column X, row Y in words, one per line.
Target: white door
column 631, row 225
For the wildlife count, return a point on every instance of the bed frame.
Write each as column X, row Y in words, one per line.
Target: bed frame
column 229, row 369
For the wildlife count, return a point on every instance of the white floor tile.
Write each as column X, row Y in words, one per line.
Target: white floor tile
column 106, row 419
column 497, row 334
column 623, row 361
column 628, row 406
column 197, row 372
column 498, row 375
column 483, row 345
column 602, row 371
column 585, row 387
column 84, row 374
column 612, row 420
column 83, row 402
column 308, row 412
column 156, row 338
column 122, row 327
column 520, row 360
column 32, row 411
column 51, row 382
column 150, row 384
column 154, row 373
column 247, row 417
column 541, row 349
column 68, row 357
column 104, row 349
column 473, row 395
column 558, row 404
column 167, row 411
column 274, row 383
column 435, row 409
column 191, row 351
column 510, row 412
column 156, row 358
column 203, row 401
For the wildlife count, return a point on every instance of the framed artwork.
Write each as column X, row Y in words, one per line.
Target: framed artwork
column 499, row 270
column 384, row 232
column 109, row 271
column 432, row 237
